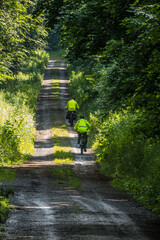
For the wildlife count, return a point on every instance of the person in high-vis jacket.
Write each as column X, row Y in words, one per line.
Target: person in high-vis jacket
column 72, row 106
column 82, row 126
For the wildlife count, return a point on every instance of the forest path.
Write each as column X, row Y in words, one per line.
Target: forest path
column 44, row 210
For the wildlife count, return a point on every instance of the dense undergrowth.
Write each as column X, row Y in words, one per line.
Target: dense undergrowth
column 18, row 100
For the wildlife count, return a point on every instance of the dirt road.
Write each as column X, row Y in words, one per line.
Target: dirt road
column 44, row 210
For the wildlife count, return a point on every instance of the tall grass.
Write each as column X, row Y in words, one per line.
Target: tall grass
column 18, row 100
column 58, row 54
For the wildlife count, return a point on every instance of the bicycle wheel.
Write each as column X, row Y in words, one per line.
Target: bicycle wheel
column 81, row 149
column 85, row 148
column 71, row 120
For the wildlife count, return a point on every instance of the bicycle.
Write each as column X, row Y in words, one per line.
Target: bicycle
column 72, row 117
column 83, row 142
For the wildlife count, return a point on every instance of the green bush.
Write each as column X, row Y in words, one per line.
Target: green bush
column 4, row 208
column 124, row 153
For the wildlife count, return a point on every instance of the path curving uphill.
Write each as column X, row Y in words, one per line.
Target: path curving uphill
column 42, row 210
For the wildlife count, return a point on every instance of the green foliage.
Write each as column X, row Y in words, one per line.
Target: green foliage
column 18, row 102
column 58, row 53
column 81, row 79
column 145, row 190
column 4, row 208
column 9, row 143
column 133, row 161
column 7, row 174
column 20, row 35
column 113, row 140
column 51, row 8
column 86, row 26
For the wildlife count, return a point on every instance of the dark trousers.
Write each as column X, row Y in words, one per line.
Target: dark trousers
column 69, row 113
column 79, row 135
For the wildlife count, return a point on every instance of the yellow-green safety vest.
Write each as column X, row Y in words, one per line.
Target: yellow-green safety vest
column 72, row 105
column 82, row 126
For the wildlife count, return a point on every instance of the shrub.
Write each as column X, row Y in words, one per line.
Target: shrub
column 124, row 153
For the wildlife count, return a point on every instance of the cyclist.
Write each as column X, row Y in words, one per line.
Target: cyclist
column 82, row 126
column 71, row 106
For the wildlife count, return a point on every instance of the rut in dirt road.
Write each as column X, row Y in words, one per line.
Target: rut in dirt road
column 43, row 210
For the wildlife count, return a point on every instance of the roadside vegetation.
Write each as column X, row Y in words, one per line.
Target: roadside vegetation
column 18, row 99
column 5, row 175
column 18, row 104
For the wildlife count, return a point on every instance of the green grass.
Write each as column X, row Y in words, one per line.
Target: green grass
column 66, row 178
column 59, row 153
column 18, row 100
column 62, row 157
column 62, row 147
column 65, row 161
column 7, row 174
column 58, row 54
column 55, row 87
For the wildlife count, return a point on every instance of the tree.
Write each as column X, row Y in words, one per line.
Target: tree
column 20, row 33
column 51, row 9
